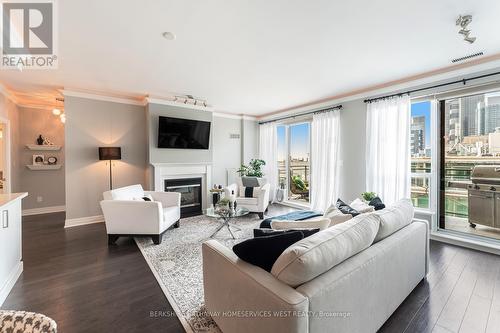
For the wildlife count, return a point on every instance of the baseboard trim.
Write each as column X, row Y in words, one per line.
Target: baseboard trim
column 467, row 243
column 69, row 223
column 11, row 281
column 43, row 210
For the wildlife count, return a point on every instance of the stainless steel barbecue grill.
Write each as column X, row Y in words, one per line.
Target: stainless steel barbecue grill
column 484, row 196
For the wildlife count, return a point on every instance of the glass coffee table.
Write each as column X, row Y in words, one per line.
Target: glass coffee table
column 225, row 217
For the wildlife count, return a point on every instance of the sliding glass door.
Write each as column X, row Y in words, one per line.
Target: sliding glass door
column 294, row 166
column 470, row 138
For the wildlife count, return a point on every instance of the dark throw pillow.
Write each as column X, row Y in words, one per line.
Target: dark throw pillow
column 146, row 199
column 263, row 251
column 249, row 192
column 377, row 203
column 271, row 232
column 346, row 209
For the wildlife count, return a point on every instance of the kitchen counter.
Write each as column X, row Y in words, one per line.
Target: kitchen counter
column 11, row 263
column 9, row 197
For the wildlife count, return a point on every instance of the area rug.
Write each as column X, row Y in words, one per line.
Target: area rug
column 177, row 265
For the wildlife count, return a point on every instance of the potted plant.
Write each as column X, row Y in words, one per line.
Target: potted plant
column 368, row 196
column 253, row 169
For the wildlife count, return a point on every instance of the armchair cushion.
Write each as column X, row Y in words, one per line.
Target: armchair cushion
column 167, row 199
column 247, row 201
column 249, row 192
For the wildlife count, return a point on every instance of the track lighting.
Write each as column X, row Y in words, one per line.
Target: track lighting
column 463, row 22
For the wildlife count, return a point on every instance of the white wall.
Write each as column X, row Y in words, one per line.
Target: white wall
column 250, row 142
column 352, row 150
column 90, row 124
column 226, row 151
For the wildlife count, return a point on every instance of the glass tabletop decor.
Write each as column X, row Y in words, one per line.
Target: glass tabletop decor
column 225, row 214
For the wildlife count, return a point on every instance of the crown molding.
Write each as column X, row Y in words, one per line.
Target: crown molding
column 8, row 94
column 105, row 98
column 161, row 101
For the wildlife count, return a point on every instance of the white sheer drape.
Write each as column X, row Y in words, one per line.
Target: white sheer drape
column 388, row 148
column 268, row 151
column 324, row 158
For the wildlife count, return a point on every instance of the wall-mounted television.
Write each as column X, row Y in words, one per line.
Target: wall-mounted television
column 183, row 133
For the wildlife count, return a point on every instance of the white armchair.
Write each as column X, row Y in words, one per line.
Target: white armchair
column 127, row 214
column 256, row 204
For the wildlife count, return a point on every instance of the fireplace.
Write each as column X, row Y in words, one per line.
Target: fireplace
column 191, row 194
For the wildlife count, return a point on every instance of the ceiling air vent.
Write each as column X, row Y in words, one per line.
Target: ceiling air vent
column 467, row 57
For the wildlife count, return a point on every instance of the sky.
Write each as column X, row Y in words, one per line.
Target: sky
column 299, row 139
column 423, row 109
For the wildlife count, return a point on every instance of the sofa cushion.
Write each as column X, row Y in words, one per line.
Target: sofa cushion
column 361, row 206
column 247, row 201
column 263, row 251
column 316, row 254
column 321, row 223
column 394, row 218
column 336, row 216
column 377, row 203
column 270, row 232
column 345, row 208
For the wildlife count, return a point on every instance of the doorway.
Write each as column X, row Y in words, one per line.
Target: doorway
column 4, row 156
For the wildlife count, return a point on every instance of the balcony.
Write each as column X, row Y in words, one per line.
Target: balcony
column 295, row 182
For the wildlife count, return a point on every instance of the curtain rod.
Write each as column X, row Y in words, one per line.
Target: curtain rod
column 337, row 107
column 464, row 81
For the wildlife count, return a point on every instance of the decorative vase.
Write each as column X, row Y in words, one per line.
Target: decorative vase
column 39, row 140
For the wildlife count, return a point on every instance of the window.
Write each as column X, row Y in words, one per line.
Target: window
column 470, row 132
column 421, row 151
column 294, row 167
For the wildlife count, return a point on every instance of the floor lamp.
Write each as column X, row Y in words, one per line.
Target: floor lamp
column 110, row 154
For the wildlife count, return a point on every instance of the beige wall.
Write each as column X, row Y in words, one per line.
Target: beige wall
column 47, row 185
column 90, row 124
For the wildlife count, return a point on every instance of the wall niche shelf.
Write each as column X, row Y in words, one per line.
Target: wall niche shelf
column 36, row 167
column 43, row 147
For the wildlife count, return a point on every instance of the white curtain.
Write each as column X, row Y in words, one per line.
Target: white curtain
column 324, row 158
column 268, row 151
column 388, row 148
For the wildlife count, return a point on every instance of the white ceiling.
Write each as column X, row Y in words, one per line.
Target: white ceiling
column 255, row 56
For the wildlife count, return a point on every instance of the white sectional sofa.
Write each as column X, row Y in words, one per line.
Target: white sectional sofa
column 346, row 278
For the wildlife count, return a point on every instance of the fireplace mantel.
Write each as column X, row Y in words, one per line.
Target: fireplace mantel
column 163, row 171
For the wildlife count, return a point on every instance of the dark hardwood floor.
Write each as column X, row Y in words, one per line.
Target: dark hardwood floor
column 73, row 276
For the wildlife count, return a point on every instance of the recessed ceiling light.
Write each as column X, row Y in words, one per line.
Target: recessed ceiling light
column 168, row 35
